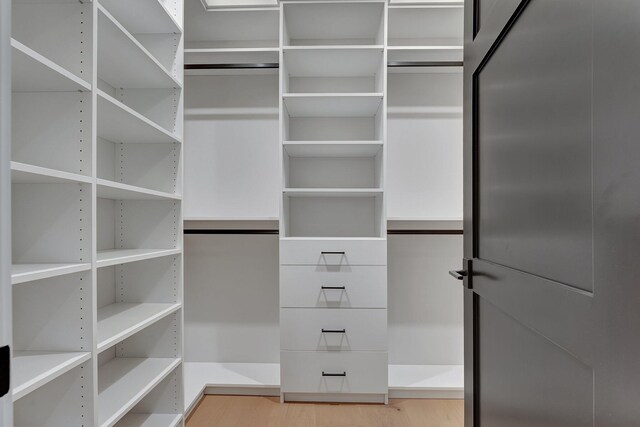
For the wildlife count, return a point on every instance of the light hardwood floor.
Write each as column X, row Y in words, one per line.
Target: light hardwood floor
column 250, row 411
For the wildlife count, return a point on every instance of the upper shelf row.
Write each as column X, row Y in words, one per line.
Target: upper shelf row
column 317, row 24
column 58, row 34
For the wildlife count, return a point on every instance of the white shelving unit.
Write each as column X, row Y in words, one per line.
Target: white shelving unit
column 96, row 178
column 333, row 132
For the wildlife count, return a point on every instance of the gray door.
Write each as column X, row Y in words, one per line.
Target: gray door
column 5, row 211
column 552, row 213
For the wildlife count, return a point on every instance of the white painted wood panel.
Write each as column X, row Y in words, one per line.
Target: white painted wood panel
column 312, row 329
column 310, row 286
column 366, row 372
column 345, row 252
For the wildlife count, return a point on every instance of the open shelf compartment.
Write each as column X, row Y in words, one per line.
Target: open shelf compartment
column 333, row 213
column 325, row 23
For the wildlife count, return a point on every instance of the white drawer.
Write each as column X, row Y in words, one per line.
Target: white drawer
column 333, row 252
column 364, row 372
column 333, row 329
column 330, row 286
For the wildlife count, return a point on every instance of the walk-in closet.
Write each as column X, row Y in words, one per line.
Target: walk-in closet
column 229, row 197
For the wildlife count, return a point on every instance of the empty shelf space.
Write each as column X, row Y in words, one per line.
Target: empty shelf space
column 21, row 273
column 332, row 192
column 426, row 381
column 22, row 173
column 435, row 54
column 116, row 322
column 157, row 19
column 332, row 148
column 32, row 72
column 122, row 256
column 333, row 60
column 150, row 420
column 199, row 376
column 332, row 23
column 33, row 369
column 119, row 191
column 123, row 62
column 208, row 56
column 332, row 104
column 120, row 123
column 123, row 382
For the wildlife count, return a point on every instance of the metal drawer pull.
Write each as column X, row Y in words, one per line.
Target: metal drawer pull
column 328, row 374
column 332, row 253
column 341, row 288
column 334, row 331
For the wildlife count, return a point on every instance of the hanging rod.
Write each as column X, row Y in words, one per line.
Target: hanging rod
column 229, row 231
column 247, row 231
column 235, row 66
column 415, row 64
column 275, row 65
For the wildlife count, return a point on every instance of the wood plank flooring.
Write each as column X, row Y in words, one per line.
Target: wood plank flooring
column 258, row 411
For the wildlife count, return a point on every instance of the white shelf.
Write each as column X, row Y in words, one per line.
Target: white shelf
column 157, row 19
column 21, row 273
column 119, row 191
column 150, row 420
column 332, row 61
column 22, row 173
column 33, row 369
column 232, row 55
column 332, row 104
column 110, row 257
column 123, row 382
column 426, row 381
column 32, row 72
column 123, row 62
column 332, row 148
column 117, row 322
column 443, row 53
column 199, row 376
column 120, row 123
column 332, row 192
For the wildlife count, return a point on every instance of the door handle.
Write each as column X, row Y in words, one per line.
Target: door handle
column 332, row 253
column 334, row 331
column 458, row 274
column 335, row 288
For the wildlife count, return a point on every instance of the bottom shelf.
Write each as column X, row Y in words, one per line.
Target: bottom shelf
column 405, row 381
column 123, row 382
column 426, row 381
column 150, row 420
column 199, row 376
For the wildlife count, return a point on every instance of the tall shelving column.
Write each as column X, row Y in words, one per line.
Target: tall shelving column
column 138, row 213
column 333, row 247
column 51, row 180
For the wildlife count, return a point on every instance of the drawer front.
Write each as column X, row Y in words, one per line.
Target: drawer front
column 333, row 252
column 337, row 287
column 364, row 372
column 330, row 329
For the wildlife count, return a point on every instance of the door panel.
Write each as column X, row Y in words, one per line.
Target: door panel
column 534, row 145
column 559, row 395
column 552, row 213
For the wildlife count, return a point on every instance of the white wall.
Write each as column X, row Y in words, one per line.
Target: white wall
column 231, row 305
column 232, row 169
column 425, row 303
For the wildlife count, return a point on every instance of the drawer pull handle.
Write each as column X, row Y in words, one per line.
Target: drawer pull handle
column 332, row 253
column 336, row 288
column 334, row 331
column 329, row 374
